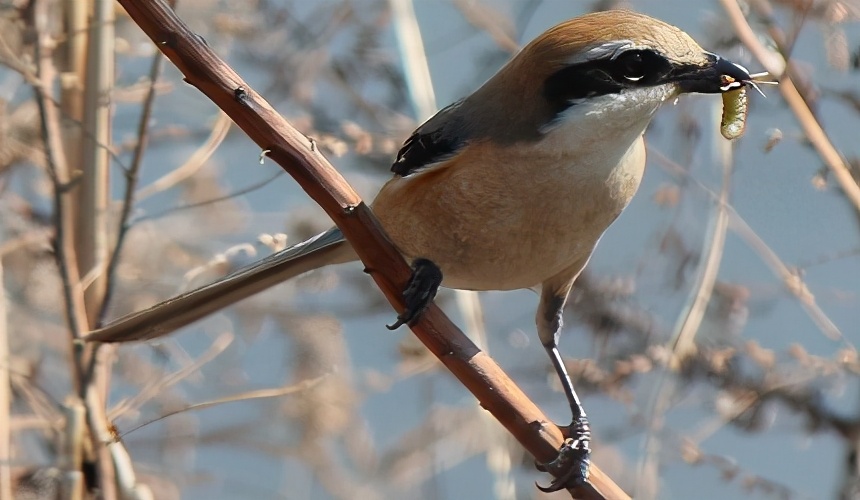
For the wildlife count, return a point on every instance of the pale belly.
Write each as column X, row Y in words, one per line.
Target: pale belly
column 510, row 226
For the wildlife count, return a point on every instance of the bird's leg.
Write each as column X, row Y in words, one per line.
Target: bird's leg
column 420, row 291
column 570, row 467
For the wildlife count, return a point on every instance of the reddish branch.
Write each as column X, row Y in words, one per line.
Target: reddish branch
column 296, row 154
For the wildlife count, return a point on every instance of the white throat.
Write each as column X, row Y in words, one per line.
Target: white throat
column 606, row 126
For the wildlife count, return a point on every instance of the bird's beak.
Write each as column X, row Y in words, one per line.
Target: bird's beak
column 715, row 76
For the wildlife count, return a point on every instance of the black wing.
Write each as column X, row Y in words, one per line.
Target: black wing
column 438, row 138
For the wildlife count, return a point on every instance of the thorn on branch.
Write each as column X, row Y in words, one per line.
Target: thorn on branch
column 170, row 41
column 240, row 94
column 263, row 154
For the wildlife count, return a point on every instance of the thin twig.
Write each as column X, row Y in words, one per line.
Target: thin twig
column 71, row 126
column 195, row 161
column 160, row 386
column 483, row 18
column 236, row 398
column 211, row 201
column 5, row 400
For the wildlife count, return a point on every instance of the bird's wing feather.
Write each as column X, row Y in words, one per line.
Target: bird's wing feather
column 437, row 140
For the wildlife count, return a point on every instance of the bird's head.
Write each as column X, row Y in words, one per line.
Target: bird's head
column 615, row 66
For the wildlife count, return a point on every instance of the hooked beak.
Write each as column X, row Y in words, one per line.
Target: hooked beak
column 717, row 75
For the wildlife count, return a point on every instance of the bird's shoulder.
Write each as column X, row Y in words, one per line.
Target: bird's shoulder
column 436, row 140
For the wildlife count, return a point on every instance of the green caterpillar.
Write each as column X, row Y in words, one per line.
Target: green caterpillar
column 734, row 120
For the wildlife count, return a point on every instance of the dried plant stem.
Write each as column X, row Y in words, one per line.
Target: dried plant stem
column 298, row 156
column 72, row 450
column 690, row 319
column 195, row 161
column 61, row 176
column 64, row 247
column 92, row 197
column 131, row 180
column 72, row 65
column 811, row 127
column 480, row 16
column 238, row 398
column 72, row 211
column 100, row 436
column 92, row 191
column 413, row 57
column 5, row 400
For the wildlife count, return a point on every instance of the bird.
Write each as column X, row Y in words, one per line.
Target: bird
column 512, row 186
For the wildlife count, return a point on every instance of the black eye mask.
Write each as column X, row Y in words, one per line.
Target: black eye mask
column 631, row 69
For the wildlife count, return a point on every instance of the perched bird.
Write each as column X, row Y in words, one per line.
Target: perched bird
column 513, row 186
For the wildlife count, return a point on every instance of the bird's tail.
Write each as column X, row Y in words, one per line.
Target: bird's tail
column 161, row 319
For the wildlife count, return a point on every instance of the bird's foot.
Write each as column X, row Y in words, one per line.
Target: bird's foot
column 419, row 292
column 570, row 467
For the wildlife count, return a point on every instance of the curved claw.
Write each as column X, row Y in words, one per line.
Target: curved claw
column 420, row 292
column 570, row 467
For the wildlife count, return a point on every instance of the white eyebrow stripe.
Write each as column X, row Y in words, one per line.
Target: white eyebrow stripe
column 608, row 50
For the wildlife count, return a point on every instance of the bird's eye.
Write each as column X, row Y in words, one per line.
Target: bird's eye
column 631, row 66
